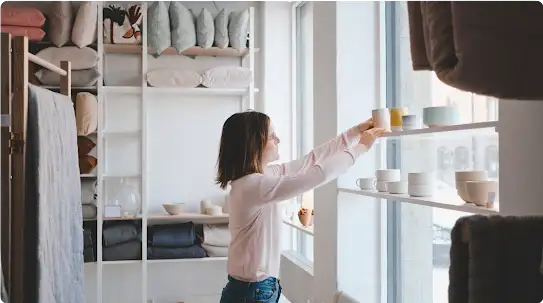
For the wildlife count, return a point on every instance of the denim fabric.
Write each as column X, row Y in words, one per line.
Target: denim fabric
column 266, row 291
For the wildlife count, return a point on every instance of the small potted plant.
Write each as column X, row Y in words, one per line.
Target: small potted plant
column 304, row 215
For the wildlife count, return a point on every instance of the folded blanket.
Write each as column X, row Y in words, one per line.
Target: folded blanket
column 125, row 251
column 496, row 260
column 88, row 255
column 156, row 253
column 120, row 233
column 216, row 235
column 87, row 238
column 215, row 251
column 173, row 235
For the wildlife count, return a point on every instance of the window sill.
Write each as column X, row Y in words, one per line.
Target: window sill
column 295, row 224
column 299, row 261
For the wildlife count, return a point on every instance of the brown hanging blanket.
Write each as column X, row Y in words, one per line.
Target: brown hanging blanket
column 496, row 259
column 491, row 48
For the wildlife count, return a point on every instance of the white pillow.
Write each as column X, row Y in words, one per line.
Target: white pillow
column 173, row 78
column 205, row 29
column 221, row 29
column 238, row 29
column 227, row 77
column 158, row 27
column 81, row 58
column 183, row 27
column 84, row 30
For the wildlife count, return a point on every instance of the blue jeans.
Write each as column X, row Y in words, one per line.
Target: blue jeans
column 266, row 291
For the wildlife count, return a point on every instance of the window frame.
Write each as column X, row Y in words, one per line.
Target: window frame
column 300, row 239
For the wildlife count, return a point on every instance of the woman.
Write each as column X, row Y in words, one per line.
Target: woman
column 248, row 144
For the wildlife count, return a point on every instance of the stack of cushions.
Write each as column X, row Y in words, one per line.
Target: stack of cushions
column 174, row 241
column 23, row 21
column 88, row 199
column 218, row 77
column 121, row 241
column 84, row 65
column 216, row 239
column 80, row 27
column 122, row 24
column 87, row 162
column 174, row 25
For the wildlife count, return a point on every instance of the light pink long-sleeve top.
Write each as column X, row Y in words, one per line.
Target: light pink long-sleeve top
column 255, row 214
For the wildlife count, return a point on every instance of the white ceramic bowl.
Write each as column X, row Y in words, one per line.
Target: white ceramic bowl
column 388, row 175
column 397, row 187
column 411, row 122
column 478, row 191
column 175, row 208
column 420, row 178
column 471, row 175
column 420, row 190
column 440, row 116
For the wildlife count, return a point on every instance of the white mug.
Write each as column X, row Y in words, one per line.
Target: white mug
column 381, row 118
column 388, row 175
column 366, row 183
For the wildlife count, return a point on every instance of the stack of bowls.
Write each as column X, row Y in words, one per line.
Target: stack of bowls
column 420, row 184
column 474, row 187
column 385, row 176
column 461, row 177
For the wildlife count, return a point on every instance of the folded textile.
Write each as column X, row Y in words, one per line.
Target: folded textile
column 157, row 253
column 120, row 233
column 215, row 251
column 216, row 235
column 89, row 211
column 496, row 259
column 125, row 251
column 172, row 235
column 88, row 255
column 87, row 238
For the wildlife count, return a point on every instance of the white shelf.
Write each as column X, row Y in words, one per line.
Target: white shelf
column 450, row 202
column 306, row 229
column 196, row 218
column 122, row 89
column 93, row 175
column 189, row 260
column 199, row 91
column 434, row 130
column 193, row 51
column 121, row 176
column 134, row 133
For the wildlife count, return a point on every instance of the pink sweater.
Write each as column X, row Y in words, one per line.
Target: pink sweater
column 256, row 215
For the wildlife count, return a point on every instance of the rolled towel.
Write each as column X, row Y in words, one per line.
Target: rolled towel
column 172, row 235
column 120, row 233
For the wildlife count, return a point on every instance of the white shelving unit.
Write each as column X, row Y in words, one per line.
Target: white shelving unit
column 128, row 138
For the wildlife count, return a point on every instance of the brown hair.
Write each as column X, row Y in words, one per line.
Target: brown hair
column 243, row 140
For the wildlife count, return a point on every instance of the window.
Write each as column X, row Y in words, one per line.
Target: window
column 303, row 37
column 421, row 235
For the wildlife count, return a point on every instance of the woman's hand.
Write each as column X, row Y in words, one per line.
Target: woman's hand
column 364, row 126
column 368, row 137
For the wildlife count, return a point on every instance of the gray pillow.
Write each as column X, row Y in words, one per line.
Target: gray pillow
column 221, row 29
column 238, row 29
column 61, row 18
column 205, row 29
column 183, row 27
column 80, row 78
column 158, row 27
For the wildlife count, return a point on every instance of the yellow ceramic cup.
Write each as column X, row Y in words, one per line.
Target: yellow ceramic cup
column 396, row 114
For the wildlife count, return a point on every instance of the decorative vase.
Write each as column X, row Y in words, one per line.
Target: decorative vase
column 305, row 219
column 129, row 199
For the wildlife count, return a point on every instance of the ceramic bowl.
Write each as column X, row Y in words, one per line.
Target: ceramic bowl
column 437, row 116
column 411, row 122
column 305, row 219
column 478, row 191
column 175, row 208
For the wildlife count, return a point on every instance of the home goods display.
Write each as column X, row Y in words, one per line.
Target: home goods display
column 158, row 27
column 455, row 39
column 173, row 241
column 238, row 28
column 86, row 113
column 80, row 58
column 384, row 176
column 221, row 29
column 121, row 241
column 80, row 78
column 123, row 23
column 421, row 184
column 183, row 27
column 216, row 239
column 87, row 162
column 174, row 209
column 205, row 29
column 437, row 116
column 381, row 118
column 61, row 18
column 305, row 217
column 84, row 29
column 483, row 251
column 481, row 192
column 227, row 77
column 214, row 210
column 396, row 114
column 173, row 78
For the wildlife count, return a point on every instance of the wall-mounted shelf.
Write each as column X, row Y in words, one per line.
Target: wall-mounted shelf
column 452, row 128
column 193, row 51
column 306, row 229
column 444, row 201
column 200, row 91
